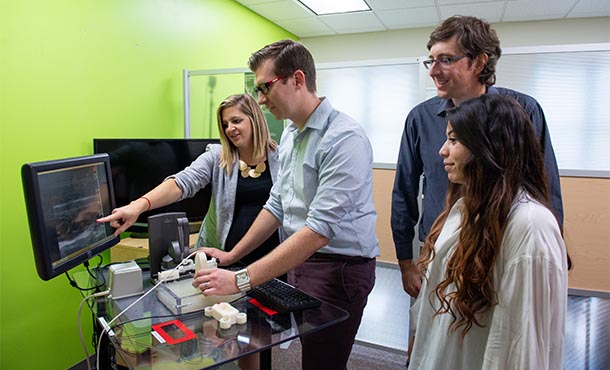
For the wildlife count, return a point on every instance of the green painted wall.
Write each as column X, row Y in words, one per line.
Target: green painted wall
column 74, row 70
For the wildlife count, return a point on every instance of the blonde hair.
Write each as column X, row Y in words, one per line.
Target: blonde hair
column 261, row 137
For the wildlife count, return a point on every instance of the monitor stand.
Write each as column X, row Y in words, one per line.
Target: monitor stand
column 168, row 241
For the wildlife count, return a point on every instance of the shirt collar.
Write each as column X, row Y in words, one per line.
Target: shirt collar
column 318, row 118
column 444, row 106
column 447, row 104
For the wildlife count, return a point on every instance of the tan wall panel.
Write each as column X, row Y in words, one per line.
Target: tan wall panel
column 586, row 204
column 587, row 229
column 383, row 181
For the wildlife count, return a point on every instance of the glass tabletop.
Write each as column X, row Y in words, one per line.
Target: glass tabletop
column 150, row 335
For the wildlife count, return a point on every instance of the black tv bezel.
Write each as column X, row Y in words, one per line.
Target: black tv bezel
column 40, row 241
column 140, row 227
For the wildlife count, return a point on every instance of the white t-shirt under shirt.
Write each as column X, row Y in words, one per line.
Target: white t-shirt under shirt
column 525, row 330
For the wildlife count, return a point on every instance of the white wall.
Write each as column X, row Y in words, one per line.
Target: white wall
column 412, row 42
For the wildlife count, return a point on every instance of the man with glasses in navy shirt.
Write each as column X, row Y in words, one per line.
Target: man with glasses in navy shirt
column 463, row 55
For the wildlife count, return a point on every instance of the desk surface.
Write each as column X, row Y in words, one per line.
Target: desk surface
column 133, row 248
column 210, row 345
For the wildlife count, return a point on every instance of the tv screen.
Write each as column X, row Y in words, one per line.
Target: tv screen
column 64, row 198
column 138, row 165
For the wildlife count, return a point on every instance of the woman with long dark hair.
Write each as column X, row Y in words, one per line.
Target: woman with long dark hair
column 495, row 264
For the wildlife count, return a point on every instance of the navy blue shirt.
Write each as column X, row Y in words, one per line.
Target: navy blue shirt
column 423, row 136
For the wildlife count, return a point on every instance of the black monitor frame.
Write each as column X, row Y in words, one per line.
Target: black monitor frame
column 53, row 207
column 140, row 164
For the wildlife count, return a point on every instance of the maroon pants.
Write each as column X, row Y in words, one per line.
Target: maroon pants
column 345, row 282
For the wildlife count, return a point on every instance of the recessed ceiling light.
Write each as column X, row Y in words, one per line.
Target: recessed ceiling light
column 321, row 7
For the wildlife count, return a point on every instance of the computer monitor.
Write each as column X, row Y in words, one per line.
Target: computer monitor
column 64, row 198
column 139, row 165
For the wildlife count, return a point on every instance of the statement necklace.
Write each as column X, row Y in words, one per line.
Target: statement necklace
column 247, row 171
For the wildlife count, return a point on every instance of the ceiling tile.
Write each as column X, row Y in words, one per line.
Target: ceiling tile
column 409, row 18
column 398, row 4
column 352, row 21
column 591, row 8
column 521, row 10
column 454, row 2
column 281, row 10
column 362, row 29
column 306, row 27
column 254, row 2
column 491, row 12
column 402, row 14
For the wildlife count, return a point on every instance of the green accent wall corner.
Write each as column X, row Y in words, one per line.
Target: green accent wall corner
column 74, row 70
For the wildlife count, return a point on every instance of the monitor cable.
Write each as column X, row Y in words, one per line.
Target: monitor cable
column 99, row 284
column 80, row 329
column 95, row 277
column 107, row 326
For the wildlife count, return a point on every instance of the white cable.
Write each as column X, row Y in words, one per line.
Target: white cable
column 186, row 259
column 99, row 346
column 80, row 329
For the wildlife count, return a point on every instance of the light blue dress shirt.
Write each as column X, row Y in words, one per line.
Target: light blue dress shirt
column 325, row 183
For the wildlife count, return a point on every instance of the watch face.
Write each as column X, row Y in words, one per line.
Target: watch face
column 242, row 279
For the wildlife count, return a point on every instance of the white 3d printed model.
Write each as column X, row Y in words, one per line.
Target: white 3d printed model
column 226, row 314
column 201, row 261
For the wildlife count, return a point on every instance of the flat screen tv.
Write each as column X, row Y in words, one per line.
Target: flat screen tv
column 64, row 198
column 138, row 165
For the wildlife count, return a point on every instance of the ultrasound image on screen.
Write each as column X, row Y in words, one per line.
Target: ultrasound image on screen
column 74, row 199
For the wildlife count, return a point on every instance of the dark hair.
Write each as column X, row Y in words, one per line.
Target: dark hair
column 475, row 36
column 288, row 56
column 501, row 137
column 506, row 158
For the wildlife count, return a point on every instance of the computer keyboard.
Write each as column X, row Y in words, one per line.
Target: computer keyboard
column 283, row 297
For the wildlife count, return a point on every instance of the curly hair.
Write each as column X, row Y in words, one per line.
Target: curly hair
column 506, row 159
column 475, row 36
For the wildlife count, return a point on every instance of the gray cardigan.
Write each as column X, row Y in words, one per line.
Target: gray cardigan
column 204, row 170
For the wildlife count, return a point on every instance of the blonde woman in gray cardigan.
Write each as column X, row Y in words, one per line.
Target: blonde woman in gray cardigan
column 242, row 170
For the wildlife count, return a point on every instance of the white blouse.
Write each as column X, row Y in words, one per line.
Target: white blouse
column 525, row 330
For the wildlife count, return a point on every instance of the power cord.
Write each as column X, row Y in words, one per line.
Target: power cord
column 106, row 327
column 99, row 284
column 80, row 329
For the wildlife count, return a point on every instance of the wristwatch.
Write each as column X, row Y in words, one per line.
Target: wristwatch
column 242, row 279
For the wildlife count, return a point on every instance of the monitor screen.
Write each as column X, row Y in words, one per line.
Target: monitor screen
column 64, row 198
column 139, row 165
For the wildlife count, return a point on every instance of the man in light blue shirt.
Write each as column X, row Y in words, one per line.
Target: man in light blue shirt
column 324, row 183
column 323, row 198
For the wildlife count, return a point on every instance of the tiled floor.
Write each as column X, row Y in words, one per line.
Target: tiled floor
column 386, row 316
column 587, row 343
